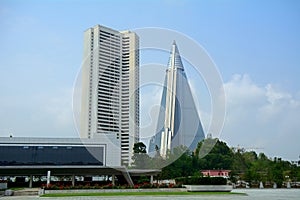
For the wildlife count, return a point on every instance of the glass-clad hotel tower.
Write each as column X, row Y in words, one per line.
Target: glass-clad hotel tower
column 178, row 122
column 110, row 82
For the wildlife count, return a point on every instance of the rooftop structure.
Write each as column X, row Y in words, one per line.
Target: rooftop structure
column 216, row 173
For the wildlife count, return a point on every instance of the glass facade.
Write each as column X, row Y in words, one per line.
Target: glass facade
column 178, row 123
column 50, row 155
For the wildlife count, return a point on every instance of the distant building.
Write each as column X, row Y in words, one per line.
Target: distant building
column 179, row 123
column 216, row 173
column 110, row 87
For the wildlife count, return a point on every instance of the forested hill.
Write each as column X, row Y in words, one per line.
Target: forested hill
column 245, row 165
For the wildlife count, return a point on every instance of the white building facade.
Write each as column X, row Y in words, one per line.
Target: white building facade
column 110, row 87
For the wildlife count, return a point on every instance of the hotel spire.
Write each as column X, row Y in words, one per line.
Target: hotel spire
column 179, row 123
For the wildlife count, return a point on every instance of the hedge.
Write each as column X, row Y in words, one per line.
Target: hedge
column 196, row 180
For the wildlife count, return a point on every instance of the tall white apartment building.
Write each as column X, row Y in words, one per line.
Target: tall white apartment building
column 110, row 87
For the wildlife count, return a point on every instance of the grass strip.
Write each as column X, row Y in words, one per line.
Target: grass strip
column 140, row 194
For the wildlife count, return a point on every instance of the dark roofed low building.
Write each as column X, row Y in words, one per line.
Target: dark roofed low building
column 23, row 151
column 63, row 156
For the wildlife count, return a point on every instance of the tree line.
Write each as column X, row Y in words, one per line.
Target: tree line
column 244, row 165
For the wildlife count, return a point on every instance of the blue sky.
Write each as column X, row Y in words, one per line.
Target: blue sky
column 255, row 44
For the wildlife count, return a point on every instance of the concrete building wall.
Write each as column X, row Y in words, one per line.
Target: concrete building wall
column 109, row 144
column 110, row 82
column 130, row 94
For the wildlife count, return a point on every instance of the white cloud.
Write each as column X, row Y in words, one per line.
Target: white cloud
column 262, row 116
column 241, row 90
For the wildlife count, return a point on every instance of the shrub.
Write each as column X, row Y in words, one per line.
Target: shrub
column 109, row 186
column 143, row 179
column 145, row 185
column 164, row 185
column 196, row 180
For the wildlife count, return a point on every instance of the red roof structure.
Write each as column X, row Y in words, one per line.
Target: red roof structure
column 223, row 173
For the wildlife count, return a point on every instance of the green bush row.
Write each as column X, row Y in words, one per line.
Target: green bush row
column 110, row 186
column 196, row 180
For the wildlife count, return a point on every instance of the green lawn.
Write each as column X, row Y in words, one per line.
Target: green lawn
column 141, row 194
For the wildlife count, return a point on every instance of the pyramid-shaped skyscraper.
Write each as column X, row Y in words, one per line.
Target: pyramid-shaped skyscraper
column 178, row 121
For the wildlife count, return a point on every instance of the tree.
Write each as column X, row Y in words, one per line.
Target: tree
column 180, row 164
column 244, row 165
column 141, row 159
column 219, row 156
column 157, row 162
column 139, row 148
